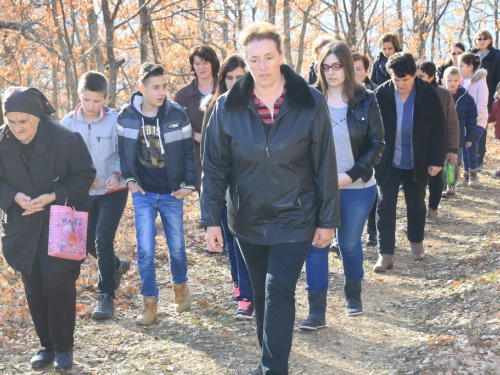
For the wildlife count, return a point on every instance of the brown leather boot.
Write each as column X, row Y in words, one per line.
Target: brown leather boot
column 384, row 263
column 182, row 297
column 148, row 314
column 417, row 250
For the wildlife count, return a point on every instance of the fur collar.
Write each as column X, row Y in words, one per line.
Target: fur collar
column 298, row 92
column 479, row 74
column 205, row 102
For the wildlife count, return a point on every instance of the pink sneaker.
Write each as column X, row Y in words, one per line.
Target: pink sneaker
column 245, row 310
column 236, row 294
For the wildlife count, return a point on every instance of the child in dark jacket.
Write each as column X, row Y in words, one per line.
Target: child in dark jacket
column 467, row 116
column 494, row 117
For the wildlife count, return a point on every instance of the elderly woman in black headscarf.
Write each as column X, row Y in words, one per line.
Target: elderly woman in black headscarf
column 41, row 163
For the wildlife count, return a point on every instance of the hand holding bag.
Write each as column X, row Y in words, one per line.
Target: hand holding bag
column 68, row 233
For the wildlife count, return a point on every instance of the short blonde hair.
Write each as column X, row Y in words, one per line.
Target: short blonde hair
column 451, row 71
column 260, row 31
column 319, row 43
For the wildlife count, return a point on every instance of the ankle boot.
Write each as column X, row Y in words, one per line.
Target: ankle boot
column 148, row 314
column 474, row 178
column 384, row 263
column 317, row 310
column 352, row 293
column 417, row 250
column 465, row 180
column 182, row 297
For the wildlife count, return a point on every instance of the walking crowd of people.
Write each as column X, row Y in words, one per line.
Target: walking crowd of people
column 286, row 170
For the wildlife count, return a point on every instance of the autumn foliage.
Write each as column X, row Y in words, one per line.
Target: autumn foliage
column 50, row 44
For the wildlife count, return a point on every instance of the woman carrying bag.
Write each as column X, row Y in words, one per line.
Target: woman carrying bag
column 41, row 164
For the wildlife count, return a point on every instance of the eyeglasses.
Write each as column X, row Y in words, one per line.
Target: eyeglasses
column 456, row 53
column 480, row 38
column 335, row 66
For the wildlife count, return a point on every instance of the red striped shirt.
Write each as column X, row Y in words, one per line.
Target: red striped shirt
column 264, row 112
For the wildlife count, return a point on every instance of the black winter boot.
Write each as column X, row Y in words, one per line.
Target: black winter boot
column 317, row 311
column 352, row 292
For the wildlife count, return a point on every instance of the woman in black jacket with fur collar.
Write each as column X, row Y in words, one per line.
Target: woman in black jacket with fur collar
column 271, row 146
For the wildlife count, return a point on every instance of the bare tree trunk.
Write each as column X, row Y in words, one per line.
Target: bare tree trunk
column 154, row 43
column 55, row 87
column 466, row 24
column 351, row 24
column 300, row 52
column 203, row 22
column 494, row 6
column 144, row 20
column 271, row 11
column 399, row 10
column 94, row 41
column 286, row 23
column 225, row 30
column 113, row 64
column 67, row 56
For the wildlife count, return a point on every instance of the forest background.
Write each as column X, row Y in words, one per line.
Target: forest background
column 48, row 44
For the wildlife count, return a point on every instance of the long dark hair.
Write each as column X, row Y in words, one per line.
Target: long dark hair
column 352, row 91
column 429, row 68
column 457, row 45
column 229, row 64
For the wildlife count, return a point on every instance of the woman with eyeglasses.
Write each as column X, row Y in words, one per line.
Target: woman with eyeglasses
column 489, row 58
column 456, row 50
column 358, row 134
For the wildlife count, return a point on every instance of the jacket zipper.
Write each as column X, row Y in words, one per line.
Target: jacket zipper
column 90, row 139
column 266, row 145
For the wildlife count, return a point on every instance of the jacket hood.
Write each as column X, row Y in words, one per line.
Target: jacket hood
column 298, row 92
column 479, row 74
column 205, row 102
column 461, row 90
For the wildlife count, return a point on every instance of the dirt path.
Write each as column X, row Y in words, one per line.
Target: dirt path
column 438, row 316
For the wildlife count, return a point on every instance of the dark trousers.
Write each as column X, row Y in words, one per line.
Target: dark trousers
column 52, row 304
column 481, row 148
column 274, row 271
column 104, row 217
column 436, row 186
column 370, row 223
column 386, row 210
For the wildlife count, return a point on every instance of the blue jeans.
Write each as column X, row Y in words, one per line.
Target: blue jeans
column 239, row 272
column 470, row 153
column 355, row 205
column 146, row 208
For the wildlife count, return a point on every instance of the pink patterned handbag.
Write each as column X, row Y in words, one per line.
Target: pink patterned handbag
column 68, row 233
